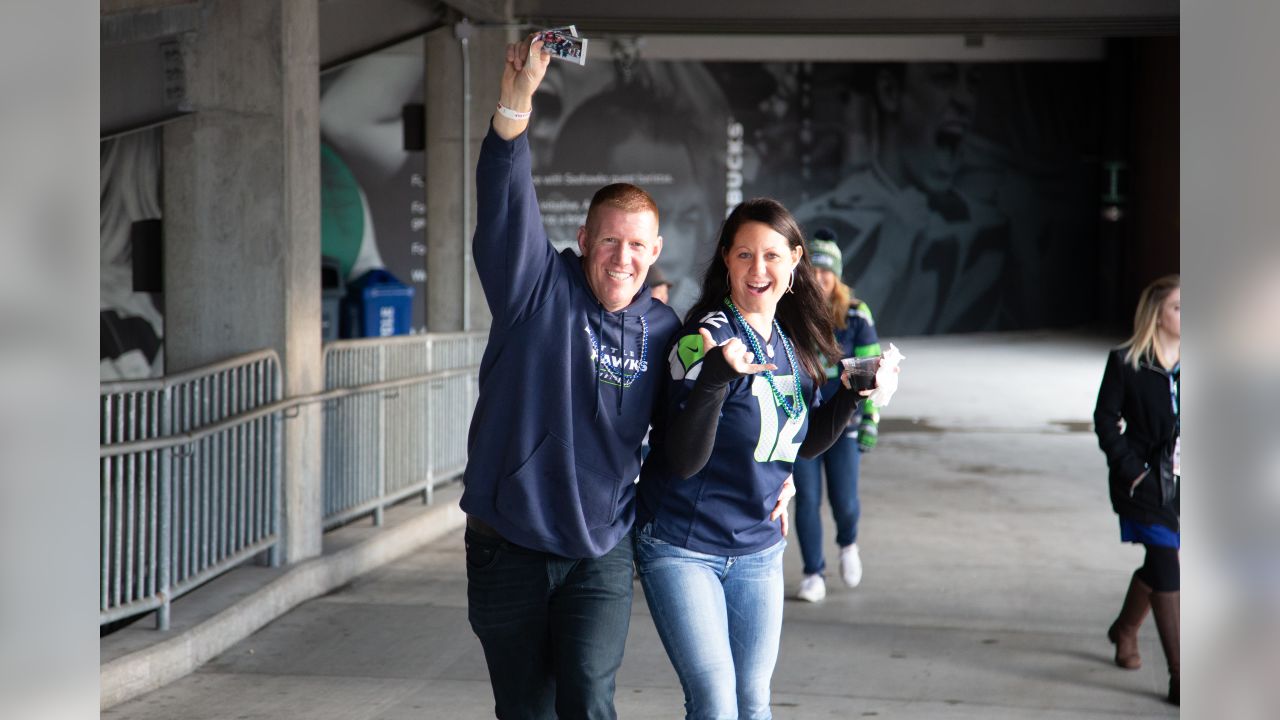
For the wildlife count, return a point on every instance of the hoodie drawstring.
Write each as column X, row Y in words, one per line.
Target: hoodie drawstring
column 620, row 375
column 622, row 386
column 599, row 351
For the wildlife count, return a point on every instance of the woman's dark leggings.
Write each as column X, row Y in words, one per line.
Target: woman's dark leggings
column 1160, row 570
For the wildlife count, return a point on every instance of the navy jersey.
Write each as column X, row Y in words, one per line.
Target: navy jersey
column 724, row 508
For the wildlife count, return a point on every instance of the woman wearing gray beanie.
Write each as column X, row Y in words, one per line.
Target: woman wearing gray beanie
column 856, row 334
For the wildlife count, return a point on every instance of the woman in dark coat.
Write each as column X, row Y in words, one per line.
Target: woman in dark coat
column 1136, row 420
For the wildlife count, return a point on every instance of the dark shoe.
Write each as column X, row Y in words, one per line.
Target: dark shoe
column 1164, row 605
column 1123, row 633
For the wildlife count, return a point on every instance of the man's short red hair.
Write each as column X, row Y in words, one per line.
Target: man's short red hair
column 625, row 197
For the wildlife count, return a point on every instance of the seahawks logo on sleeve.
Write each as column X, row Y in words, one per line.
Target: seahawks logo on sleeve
column 686, row 355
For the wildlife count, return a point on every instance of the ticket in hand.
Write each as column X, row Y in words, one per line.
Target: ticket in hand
column 569, row 29
column 564, row 43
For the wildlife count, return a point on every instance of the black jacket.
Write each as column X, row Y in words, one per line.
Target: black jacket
column 1141, row 398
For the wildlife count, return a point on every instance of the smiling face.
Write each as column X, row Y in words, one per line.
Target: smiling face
column 760, row 261
column 618, row 246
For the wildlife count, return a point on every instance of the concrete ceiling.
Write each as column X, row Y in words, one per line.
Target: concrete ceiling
column 139, row 37
column 352, row 28
column 1069, row 18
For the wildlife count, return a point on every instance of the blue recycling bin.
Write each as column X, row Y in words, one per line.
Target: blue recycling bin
column 377, row 305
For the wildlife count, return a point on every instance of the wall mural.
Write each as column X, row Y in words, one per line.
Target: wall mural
column 131, row 323
column 373, row 215
column 963, row 195
column 372, row 205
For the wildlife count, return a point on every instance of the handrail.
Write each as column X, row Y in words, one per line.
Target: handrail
column 395, row 339
column 280, row 406
column 376, row 452
column 169, row 381
column 191, row 477
column 169, row 523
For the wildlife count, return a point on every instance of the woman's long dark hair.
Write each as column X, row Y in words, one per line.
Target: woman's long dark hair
column 802, row 313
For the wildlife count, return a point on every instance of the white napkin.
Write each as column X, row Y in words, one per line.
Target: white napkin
column 887, row 376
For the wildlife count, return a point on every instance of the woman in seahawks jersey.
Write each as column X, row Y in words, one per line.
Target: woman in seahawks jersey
column 856, row 334
column 739, row 409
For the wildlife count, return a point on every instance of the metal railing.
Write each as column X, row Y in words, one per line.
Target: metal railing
column 401, row 426
column 190, row 472
column 189, row 478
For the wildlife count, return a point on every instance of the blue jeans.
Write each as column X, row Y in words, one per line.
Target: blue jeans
column 552, row 628
column 720, row 619
column 841, row 461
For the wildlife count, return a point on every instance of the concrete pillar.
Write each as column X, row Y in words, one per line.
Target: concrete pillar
column 447, row 238
column 242, row 219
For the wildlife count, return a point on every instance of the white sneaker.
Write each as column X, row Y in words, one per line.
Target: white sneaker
column 850, row 565
column 812, row 588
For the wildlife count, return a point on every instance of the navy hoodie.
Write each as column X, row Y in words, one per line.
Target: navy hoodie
column 554, row 447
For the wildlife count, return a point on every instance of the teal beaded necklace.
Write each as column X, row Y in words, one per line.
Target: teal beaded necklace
column 793, row 411
column 612, row 375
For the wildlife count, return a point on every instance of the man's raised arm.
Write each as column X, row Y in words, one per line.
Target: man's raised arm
column 525, row 68
column 510, row 247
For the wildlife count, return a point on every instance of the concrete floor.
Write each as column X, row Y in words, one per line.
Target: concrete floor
column 992, row 569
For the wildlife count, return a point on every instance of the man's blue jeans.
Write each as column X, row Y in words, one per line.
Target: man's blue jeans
column 720, row 619
column 841, row 461
column 553, row 628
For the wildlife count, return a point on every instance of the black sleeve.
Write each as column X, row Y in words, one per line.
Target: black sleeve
column 692, row 432
column 1106, row 422
column 828, row 422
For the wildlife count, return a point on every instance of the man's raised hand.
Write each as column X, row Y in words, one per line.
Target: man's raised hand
column 525, row 67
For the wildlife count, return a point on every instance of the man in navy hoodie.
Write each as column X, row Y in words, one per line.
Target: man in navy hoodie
column 568, row 384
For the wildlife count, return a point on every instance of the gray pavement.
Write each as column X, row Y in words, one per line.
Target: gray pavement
column 992, row 571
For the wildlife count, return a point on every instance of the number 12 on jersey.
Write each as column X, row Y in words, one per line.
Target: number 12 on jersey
column 775, row 444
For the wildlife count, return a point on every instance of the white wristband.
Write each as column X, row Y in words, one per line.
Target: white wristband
column 507, row 112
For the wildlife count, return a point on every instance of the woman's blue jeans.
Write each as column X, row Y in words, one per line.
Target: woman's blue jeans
column 720, row 619
column 841, row 462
